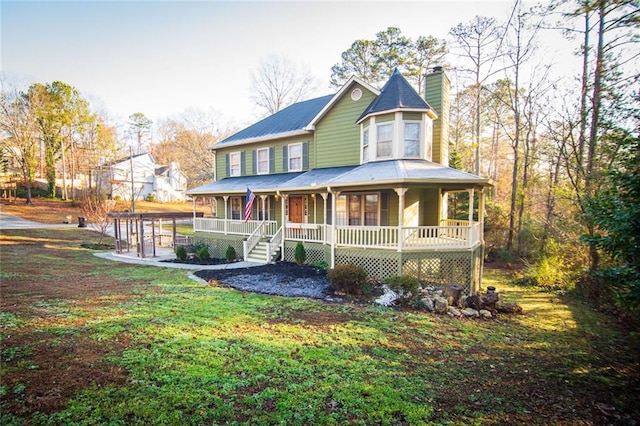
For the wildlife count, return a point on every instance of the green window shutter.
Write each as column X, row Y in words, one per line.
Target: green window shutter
column 285, row 158
column 272, row 160
column 254, row 162
column 243, row 160
column 226, row 157
column 384, row 209
column 305, row 155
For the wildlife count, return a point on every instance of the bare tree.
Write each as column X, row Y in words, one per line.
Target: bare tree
column 19, row 131
column 140, row 128
column 278, row 83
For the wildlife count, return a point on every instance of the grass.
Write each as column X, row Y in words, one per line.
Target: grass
column 145, row 345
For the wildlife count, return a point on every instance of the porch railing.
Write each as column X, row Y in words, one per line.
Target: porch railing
column 253, row 239
column 451, row 234
column 233, row 226
column 305, row 232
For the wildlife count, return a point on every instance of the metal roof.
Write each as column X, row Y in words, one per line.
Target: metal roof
column 390, row 172
column 396, row 94
column 294, row 118
column 257, row 183
column 406, row 171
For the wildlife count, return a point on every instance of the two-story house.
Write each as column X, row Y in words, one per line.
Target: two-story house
column 141, row 176
column 359, row 177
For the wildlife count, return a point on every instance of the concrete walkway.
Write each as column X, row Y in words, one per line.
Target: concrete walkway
column 8, row 221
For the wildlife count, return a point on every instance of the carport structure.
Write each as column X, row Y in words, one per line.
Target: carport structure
column 134, row 230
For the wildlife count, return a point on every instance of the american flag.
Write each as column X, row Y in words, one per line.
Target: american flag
column 251, row 197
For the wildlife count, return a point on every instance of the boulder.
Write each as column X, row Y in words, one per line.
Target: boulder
column 440, row 305
column 428, row 303
column 485, row 313
column 454, row 312
column 470, row 312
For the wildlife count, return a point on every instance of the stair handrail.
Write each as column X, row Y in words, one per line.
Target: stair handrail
column 275, row 241
column 252, row 240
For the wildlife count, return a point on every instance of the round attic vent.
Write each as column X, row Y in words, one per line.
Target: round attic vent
column 356, row 94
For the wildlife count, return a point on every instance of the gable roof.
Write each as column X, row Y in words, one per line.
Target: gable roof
column 396, row 94
column 287, row 122
column 295, row 119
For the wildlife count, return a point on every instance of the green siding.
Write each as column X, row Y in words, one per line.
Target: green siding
column 414, row 116
column 385, row 118
column 221, row 171
column 431, row 210
column 437, row 96
column 338, row 135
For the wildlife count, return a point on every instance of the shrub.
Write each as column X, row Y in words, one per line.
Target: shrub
column 181, row 252
column 230, row 254
column 549, row 272
column 151, row 197
column 405, row 287
column 321, row 265
column 348, row 278
column 300, row 253
column 203, row 253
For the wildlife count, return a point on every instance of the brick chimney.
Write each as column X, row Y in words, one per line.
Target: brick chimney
column 437, row 86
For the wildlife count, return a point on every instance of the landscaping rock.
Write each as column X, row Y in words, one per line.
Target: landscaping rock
column 485, row 313
column 440, row 305
column 470, row 312
column 428, row 303
column 454, row 312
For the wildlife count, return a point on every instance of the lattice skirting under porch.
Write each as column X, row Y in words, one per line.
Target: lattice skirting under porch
column 431, row 268
column 315, row 252
column 218, row 243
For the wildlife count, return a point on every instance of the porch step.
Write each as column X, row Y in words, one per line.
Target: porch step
column 259, row 254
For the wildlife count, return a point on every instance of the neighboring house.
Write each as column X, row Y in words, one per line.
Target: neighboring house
column 166, row 183
column 359, row 177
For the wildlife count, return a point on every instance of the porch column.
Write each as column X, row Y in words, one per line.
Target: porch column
column 400, row 192
column 471, row 192
column 264, row 212
column 115, row 234
column 283, row 208
column 226, row 213
column 481, row 215
column 334, row 230
column 324, row 196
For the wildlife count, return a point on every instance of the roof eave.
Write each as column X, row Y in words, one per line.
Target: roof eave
column 343, row 89
column 430, row 112
column 305, row 131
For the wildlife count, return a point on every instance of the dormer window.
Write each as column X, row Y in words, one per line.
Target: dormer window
column 384, row 146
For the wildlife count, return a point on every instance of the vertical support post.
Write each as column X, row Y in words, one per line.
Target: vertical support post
column 334, row 227
column 263, row 203
column 283, row 208
column 173, row 234
column 153, row 237
column 141, row 237
column 226, row 214
column 471, row 193
column 400, row 192
column 115, row 234
column 128, row 226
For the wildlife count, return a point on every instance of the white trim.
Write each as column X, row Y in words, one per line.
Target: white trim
column 289, row 169
column 258, row 150
column 231, row 155
column 337, row 96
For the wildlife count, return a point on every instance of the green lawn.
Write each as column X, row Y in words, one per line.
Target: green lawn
column 159, row 348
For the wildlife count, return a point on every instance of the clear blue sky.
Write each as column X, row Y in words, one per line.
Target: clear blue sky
column 162, row 57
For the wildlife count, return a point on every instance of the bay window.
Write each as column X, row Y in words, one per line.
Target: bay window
column 411, row 139
column 384, row 146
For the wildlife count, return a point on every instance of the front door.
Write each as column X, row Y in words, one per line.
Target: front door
column 295, row 209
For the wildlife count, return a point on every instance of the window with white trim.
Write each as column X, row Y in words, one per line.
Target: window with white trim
column 295, row 157
column 365, row 145
column 236, row 208
column 411, row 139
column 384, row 146
column 358, row 209
column 262, row 162
column 234, row 164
